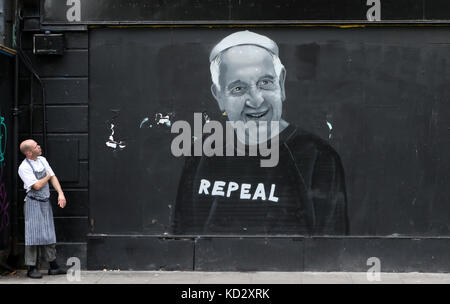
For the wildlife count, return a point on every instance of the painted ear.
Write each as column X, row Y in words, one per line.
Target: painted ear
column 215, row 92
column 282, row 79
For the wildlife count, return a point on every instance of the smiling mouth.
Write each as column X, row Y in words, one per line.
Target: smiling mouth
column 257, row 115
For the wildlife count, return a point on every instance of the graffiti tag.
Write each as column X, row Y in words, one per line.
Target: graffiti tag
column 3, row 134
column 112, row 143
column 4, row 204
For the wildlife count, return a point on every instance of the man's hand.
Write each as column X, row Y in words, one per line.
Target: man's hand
column 61, row 200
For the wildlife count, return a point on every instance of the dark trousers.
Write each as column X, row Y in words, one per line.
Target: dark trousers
column 32, row 252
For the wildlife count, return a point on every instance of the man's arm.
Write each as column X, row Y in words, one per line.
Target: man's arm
column 61, row 198
column 41, row 182
column 55, row 183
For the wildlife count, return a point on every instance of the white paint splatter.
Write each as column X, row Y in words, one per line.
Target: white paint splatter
column 163, row 120
column 143, row 122
column 206, row 117
column 331, row 129
column 112, row 143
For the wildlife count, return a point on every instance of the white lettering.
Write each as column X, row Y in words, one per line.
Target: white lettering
column 272, row 196
column 260, row 192
column 232, row 186
column 204, row 185
column 245, row 191
column 200, row 294
column 218, row 188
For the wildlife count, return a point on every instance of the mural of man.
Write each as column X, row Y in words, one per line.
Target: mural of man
column 303, row 194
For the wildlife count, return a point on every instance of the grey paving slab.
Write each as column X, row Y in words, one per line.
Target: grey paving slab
column 125, row 277
column 176, row 278
column 19, row 277
column 424, row 278
column 84, row 278
column 190, row 277
column 326, row 278
column 276, row 278
column 384, row 278
column 225, row 278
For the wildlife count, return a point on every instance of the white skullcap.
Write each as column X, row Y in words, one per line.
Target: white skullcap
column 243, row 38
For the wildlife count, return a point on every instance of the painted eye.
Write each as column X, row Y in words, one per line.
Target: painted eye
column 265, row 83
column 237, row 90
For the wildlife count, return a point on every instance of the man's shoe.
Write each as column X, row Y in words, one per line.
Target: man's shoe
column 34, row 274
column 56, row 271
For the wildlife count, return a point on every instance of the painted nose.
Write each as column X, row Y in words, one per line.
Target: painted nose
column 254, row 99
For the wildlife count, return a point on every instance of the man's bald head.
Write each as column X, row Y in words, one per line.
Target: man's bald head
column 27, row 147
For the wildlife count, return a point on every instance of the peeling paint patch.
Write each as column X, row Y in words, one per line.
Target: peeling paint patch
column 206, row 117
column 112, row 143
column 160, row 120
column 163, row 119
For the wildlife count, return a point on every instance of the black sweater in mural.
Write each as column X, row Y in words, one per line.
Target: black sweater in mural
column 304, row 194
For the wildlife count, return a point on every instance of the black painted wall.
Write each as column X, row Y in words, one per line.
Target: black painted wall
column 384, row 90
column 6, row 163
column 66, row 86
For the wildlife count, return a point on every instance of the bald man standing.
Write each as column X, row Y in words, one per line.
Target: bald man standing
column 35, row 173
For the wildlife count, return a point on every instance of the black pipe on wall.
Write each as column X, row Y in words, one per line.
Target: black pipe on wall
column 15, row 136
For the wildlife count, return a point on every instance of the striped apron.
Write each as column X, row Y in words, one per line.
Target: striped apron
column 39, row 226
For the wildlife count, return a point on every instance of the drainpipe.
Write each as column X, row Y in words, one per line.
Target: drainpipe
column 2, row 22
column 15, row 137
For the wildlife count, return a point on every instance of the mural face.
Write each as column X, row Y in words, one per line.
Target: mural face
column 249, row 88
column 303, row 194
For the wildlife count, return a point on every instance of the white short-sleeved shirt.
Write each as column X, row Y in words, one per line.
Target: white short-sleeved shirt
column 27, row 175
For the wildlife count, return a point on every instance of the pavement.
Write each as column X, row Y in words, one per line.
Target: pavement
column 191, row 277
